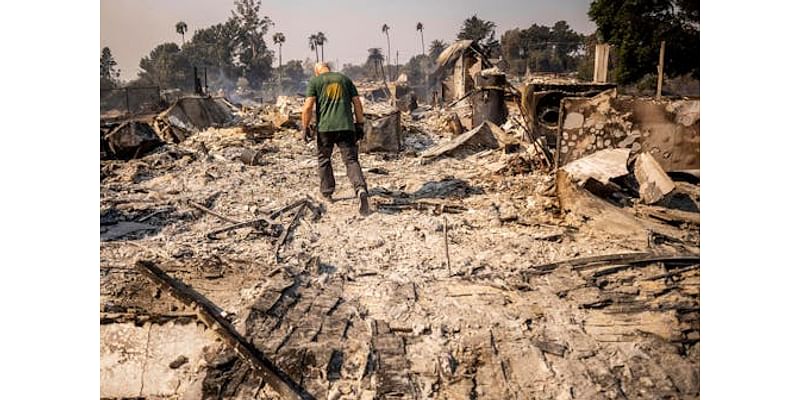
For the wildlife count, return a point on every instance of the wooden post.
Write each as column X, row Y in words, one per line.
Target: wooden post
column 660, row 70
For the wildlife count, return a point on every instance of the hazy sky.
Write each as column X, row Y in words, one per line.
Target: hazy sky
column 131, row 28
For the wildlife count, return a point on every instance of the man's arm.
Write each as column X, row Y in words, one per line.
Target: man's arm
column 308, row 107
column 359, row 109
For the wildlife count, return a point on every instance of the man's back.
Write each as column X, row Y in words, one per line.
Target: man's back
column 334, row 93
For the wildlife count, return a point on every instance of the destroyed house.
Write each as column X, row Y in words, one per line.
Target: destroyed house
column 456, row 69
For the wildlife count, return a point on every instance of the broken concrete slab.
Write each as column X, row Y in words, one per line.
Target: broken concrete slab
column 654, row 183
column 599, row 214
column 669, row 129
column 602, row 166
column 486, row 136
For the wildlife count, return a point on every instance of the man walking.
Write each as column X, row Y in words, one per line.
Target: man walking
column 335, row 97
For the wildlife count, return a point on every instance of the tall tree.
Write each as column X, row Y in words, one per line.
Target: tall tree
column 321, row 39
column 312, row 44
column 545, row 49
column 385, row 30
column 168, row 67
column 252, row 52
column 214, row 48
column 636, row 28
column 180, row 28
column 480, row 31
column 421, row 36
column 109, row 75
column 436, row 48
column 294, row 71
column 279, row 39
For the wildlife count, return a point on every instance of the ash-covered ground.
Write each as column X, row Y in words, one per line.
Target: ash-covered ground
column 387, row 305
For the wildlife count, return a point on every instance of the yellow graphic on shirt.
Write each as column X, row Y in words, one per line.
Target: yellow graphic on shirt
column 334, row 91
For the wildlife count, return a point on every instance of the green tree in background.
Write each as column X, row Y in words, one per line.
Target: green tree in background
column 251, row 52
column 543, row 49
column 109, row 74
column 180, row 28
column 293, row 71
column 214, row 48
column 437, row 47
column 167, row 67
column 229, row 51
column 481, row 31
column 636, row 28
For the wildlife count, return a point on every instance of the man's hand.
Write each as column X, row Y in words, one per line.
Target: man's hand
column 308, row 133
column 359, row 131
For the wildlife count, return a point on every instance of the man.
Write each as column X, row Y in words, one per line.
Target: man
column 335, row 98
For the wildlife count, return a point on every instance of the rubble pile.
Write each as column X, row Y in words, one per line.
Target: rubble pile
column 486, row 269
column 123, row 137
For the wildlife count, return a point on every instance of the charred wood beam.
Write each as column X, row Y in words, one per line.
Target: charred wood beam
column 673, row 273
column 437, row 208
column 214, row 213
column 208, row 313
column 285, row 234
column 260, row 225
column 580, row 264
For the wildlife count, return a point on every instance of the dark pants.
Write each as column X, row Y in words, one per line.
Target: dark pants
column 346, row 142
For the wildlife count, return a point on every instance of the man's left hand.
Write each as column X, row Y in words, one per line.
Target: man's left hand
column 359, row 131
column 308, row 134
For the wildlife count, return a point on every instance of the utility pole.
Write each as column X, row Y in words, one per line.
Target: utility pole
column 660, row 69
column 396, row 64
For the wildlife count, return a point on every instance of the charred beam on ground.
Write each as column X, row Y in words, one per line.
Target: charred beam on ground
column 580, row 264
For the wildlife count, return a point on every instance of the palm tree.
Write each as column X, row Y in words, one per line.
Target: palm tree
column 312, row 44
column 436, row 48
column 375, row 58
column 385, row 30
column 321, row 39
column 421, row 35
column 181, row 27
column 278, row 38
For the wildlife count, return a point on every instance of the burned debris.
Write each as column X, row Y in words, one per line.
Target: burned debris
column 530, row 239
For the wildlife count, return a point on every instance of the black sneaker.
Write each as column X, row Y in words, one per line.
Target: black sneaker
column 363, row 200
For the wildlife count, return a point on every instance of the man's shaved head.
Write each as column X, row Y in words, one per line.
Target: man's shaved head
column 321, row 68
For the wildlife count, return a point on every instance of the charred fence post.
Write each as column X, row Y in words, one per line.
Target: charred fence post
column 487, row 102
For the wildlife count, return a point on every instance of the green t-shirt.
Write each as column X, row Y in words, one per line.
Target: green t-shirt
column 334, row 93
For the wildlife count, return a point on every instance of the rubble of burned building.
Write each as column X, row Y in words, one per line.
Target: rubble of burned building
column 526, row 241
